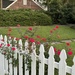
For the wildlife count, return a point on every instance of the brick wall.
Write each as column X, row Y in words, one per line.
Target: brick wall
column 30, row 4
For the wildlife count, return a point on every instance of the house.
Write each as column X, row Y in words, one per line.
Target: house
column 17, row 4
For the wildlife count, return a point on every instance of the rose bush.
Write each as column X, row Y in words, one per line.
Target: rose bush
column 30, row 35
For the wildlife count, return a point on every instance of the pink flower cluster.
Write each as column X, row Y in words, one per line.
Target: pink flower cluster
column 13, row 48
column 56, row 27
column 54, row 30
column 69, row 48
column 38, row 39
column 57, row 51
column 69, row 52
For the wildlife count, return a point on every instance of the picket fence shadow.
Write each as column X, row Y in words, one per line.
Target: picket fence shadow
column 52, row 64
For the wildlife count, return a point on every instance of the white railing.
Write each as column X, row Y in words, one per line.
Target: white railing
column 62, row 67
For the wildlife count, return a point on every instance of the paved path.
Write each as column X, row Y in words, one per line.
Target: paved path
column 63, row 41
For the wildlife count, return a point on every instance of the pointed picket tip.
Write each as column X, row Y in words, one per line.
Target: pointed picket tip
column 74, row 59
column 34, row 52
column 20, row 42
column 14, row 38
column 26, row 43
column 10, row 37
column 51, row 51
column 63, row 55
column 41, row 49
column 5, row 38
column 33, row 43
column 33, row 46
column 1, row 37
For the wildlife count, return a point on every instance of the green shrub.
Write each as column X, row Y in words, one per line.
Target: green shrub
column 61, row 14
column 25, row 17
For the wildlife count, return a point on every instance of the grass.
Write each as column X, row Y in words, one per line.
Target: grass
column 69, row 57
column 65, row 32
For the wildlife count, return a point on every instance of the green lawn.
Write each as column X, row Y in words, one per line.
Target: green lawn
column 63, row 46
column 65, row 32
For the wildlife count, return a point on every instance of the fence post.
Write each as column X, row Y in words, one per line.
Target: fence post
column 62, row 63
column 41, row 58
column 33, row 57
column 2, row 71
column 51, row 61
column 73, row 67
column 26, row 51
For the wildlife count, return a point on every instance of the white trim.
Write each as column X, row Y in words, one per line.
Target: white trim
column 9, row 5
column 24, row 2
column 42, row 7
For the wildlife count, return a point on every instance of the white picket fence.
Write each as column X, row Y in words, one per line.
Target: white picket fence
column 61, row 65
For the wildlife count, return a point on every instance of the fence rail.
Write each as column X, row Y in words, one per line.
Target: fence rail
column 7, row 68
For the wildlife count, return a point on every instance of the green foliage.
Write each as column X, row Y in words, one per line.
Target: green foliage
column 61, row 14
column 68, row 13
column 23, row 17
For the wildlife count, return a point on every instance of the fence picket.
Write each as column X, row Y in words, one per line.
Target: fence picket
column 5, row 40
column 1, row 38
column 26, row 51
column 2, row 71
column 41, row 58
column 51, row 61
column 22, row 68
column 15, row 68
column 6, row 65
column 73, row 67
column 10, row 67
column 20, row 64
column 33, row 63
column 62, row 63
column 20, row 44
column 20, row 58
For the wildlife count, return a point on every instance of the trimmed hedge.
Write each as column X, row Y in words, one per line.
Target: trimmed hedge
column 25, row 17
